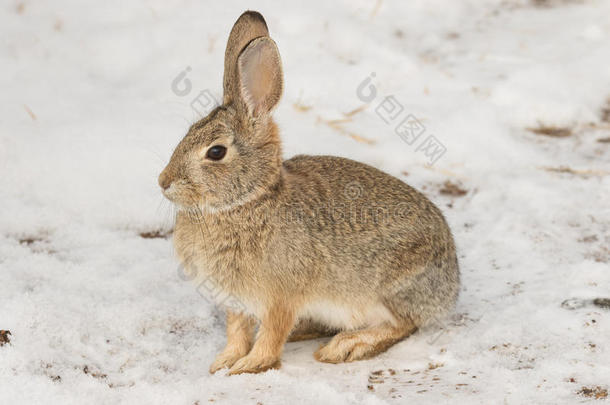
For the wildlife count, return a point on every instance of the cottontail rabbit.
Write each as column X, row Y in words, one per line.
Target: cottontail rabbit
column 307, row 246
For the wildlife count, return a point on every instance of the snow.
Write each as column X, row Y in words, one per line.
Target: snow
column 99, row 313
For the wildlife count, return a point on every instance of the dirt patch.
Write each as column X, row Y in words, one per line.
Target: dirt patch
column 93, row 373
column 588, row 239
column 601, row 255
column 573, row 303
column 48, row 371
column 553, row 3
column 604, row 140
column 30, row 240
column 576, row 303
column 605, row 112
column 37, row 243
column 452, row 189
column 594, row 392
column 5, row 337
column 551, row 131
column 602, row 302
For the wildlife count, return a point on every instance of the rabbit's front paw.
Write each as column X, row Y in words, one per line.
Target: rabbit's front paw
column 254, row 364
column 226, row 359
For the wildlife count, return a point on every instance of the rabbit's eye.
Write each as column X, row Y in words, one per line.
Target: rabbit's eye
column 216, row 152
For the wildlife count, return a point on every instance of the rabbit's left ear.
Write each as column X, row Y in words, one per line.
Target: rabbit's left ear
column 259, row 73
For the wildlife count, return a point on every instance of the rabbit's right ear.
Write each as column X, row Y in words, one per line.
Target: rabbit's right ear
column 259, row 74
column 249, row 25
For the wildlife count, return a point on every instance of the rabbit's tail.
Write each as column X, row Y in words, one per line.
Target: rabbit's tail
column 426, row 297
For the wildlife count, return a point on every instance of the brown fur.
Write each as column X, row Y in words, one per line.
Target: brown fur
column 320, row 239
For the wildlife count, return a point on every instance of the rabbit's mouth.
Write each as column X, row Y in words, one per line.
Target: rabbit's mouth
column 169, row 193
column 181, row 194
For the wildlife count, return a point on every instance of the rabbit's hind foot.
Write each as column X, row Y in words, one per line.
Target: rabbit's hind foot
column 363, row 344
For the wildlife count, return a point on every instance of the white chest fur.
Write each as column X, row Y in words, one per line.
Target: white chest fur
column 345, row 316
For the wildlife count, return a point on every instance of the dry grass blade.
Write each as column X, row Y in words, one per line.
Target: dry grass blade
column 376, row 9
column 299, row 106
column 576, row 172
column 30, row 112
column 339, row 121
column 336, row 125
column 356, row 110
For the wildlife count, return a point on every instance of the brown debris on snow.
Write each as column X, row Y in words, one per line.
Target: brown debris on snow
column 452, row 189
column 594, row 392
column 4, row 337
column 30, row 240
column 552, row 131
column 37, row 243
column 155, row 234
column 94, row 374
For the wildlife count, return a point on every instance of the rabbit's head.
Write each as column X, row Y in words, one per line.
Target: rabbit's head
column 233, row 155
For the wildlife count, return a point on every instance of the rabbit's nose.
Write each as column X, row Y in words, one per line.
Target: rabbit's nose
column 164, row 181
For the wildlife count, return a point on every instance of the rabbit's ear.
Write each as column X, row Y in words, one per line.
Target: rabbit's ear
column 259, row 73
column 249, row 25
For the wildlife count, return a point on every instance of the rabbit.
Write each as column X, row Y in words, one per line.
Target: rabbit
column 310, row 246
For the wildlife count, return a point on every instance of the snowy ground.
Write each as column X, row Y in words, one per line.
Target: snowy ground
column 89, row 288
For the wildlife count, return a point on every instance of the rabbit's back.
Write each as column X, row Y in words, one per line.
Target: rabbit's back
column 346, row 197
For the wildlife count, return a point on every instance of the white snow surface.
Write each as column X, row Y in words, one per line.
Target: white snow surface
column 99, row 314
